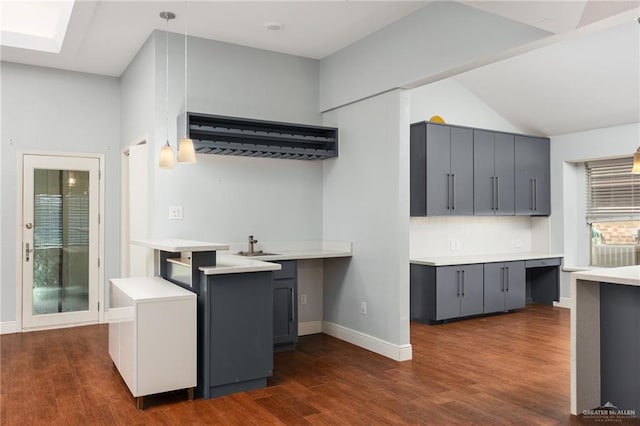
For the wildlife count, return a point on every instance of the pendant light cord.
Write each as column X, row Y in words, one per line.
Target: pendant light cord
column 186, row 56
column 166, row 81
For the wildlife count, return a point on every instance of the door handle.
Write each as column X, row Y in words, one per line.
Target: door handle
column 27, row 250
column 530, row 194
column 28, row 225
column 458, row 283
column 462, row 283
column 535, row 194
column 501, row 279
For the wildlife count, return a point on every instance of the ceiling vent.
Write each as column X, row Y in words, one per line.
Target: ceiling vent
column 221, row 135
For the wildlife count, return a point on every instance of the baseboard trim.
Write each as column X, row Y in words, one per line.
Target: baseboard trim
column 565, row 302
column 8, row 327
column 311, row 327
column 373, row 344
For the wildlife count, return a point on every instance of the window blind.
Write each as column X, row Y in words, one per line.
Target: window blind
column 613, row 192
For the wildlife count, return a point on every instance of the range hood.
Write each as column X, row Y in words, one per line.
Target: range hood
column 221, row 135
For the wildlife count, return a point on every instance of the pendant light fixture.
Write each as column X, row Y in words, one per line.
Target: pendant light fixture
column 166, row 153
column 636, row 160
column 186, row 153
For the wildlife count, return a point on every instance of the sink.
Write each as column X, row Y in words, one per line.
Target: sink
column 256, row 253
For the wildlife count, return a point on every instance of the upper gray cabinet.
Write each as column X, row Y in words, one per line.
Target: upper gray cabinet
column 493, row 173
column 441, row 170
column 532, row 176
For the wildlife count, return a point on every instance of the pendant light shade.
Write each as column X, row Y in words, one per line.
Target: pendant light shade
column 166, row 157
column 186, row 153
column 636, row 162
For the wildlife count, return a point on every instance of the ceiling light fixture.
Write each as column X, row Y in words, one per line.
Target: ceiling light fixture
column 186, row 153
column 166, row 153
column 636, row 162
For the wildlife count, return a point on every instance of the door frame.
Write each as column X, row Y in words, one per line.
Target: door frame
column 19, row 244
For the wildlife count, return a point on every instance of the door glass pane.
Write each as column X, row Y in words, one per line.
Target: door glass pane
column 61, row 241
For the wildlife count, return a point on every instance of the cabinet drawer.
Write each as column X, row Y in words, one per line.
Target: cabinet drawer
column 538, row 263
column 288, row 270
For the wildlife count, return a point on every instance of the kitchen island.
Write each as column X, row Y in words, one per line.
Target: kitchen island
column 605, row 339
column 234, row 312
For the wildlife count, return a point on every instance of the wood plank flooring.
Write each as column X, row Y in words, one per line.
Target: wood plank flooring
column 497, row 370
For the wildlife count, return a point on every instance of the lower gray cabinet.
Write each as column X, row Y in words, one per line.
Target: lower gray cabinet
column 285, row 306
column 504, row 286
column 444, row 292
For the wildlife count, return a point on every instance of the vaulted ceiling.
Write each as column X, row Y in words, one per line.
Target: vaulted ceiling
column 586, row 74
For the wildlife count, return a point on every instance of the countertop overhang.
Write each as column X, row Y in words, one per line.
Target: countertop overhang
column 481, row 258
column 627, row 275
column 177, row 245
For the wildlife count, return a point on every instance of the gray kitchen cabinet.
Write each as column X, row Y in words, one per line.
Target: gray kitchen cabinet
column 285, row 306
column 235, row 333
column 493, row 173
column 532, row 183
column 445, row 292
column 441, row 170
column 504, row 286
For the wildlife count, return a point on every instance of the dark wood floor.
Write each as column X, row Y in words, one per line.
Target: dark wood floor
column 502, row 369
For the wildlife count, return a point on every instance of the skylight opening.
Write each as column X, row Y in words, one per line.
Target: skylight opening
column 35, row 25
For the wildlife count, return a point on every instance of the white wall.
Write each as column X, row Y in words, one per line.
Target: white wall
column 52, row 110
column 431, row 43
column 569, row 232
column 226, row 198
column 432, row 236
column 366, row 200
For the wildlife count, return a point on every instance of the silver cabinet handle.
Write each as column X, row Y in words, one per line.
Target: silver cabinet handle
column 448, row 191
column 458, row 282
column 293, row 306
column 493, row 192
column 535, row 194
column 530, row 194
column 463, row 283
column 506, row 276
column 497, row 193
column 453, row 191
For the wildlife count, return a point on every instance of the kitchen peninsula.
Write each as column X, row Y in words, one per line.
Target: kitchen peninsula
column 245, row 305
column 605, row 339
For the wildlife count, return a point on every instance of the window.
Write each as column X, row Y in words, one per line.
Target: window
column 613, row 211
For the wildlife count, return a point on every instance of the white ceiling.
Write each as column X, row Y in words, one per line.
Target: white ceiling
column 575, row 80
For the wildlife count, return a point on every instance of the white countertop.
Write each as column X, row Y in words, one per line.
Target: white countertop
column 627, row 275
column 232, row 264
column 176, row 245
column 481, row 258
column 146, row 289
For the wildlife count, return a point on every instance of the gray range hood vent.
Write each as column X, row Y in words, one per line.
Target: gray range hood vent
column 216, row 134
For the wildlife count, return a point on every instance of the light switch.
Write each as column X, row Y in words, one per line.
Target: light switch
column 175, row 212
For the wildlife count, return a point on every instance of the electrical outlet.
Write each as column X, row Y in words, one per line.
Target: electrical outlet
column 175, row 212
column 303, row 299
column 363, row 308
column 453, row 244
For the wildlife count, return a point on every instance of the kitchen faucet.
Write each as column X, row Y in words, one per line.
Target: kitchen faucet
column 252, row 242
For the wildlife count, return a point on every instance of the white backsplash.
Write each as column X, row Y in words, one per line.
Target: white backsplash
column 469, row 235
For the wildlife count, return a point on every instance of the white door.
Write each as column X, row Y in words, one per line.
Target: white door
column 60, row 241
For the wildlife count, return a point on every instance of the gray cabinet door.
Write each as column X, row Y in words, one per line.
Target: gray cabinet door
column 483, row 173
column 504, row 174
column 515, row 286
column 418, row 170
column 494, row 287
column 532, row 176
column 461, row 171
column 447, row 292
column 284, row 298
column 472, row 289
column 438, row 169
